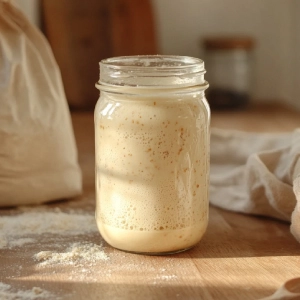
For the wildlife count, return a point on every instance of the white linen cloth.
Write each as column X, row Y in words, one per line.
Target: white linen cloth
column 257, row 173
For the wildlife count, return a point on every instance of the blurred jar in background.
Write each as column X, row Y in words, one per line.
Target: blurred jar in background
column 229, row 65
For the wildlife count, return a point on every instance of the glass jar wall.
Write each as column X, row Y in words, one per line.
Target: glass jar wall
column 152, row 153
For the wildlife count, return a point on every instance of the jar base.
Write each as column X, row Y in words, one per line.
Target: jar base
column 156, row 253
column 161, row 242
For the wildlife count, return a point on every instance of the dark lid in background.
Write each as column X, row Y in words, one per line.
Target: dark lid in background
column 228, row 42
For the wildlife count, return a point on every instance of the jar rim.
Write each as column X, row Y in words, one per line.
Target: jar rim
column 153, row 62
column 152, row 71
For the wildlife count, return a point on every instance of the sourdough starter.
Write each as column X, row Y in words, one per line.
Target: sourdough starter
column 151, row 171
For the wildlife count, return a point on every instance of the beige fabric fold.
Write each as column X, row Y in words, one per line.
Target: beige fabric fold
column 38, row 155
column 257, row 173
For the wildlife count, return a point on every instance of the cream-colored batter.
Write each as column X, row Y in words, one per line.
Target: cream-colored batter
column 152, row 172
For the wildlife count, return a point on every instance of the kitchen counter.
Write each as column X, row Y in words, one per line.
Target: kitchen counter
column 240, row 256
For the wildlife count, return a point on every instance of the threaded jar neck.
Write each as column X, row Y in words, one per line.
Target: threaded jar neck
column 152, row 71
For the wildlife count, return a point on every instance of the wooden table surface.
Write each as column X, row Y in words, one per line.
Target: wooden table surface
column 240, row 256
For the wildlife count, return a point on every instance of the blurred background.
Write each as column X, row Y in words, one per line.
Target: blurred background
column 81, row 33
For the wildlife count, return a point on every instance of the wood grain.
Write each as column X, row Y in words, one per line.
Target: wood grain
column 240, row 256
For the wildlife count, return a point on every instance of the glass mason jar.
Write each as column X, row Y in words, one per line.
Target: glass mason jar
column 152, row 153
column 229, row 68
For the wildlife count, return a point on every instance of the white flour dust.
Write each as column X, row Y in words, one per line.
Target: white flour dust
column 51, row 229
column 8, row 293
column 28, row 226
column 78, row 254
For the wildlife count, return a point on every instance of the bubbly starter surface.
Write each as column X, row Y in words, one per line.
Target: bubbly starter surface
column 152, row 172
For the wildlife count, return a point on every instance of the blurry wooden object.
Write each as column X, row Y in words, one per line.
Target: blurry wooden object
column 132, row 27
column 81, row 33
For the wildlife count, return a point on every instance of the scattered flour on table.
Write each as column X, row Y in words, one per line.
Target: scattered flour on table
column 8, row 293
column 78, row 254
column 38, row 224
column 167, row 277
column 160, row 279
column 27, row 227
